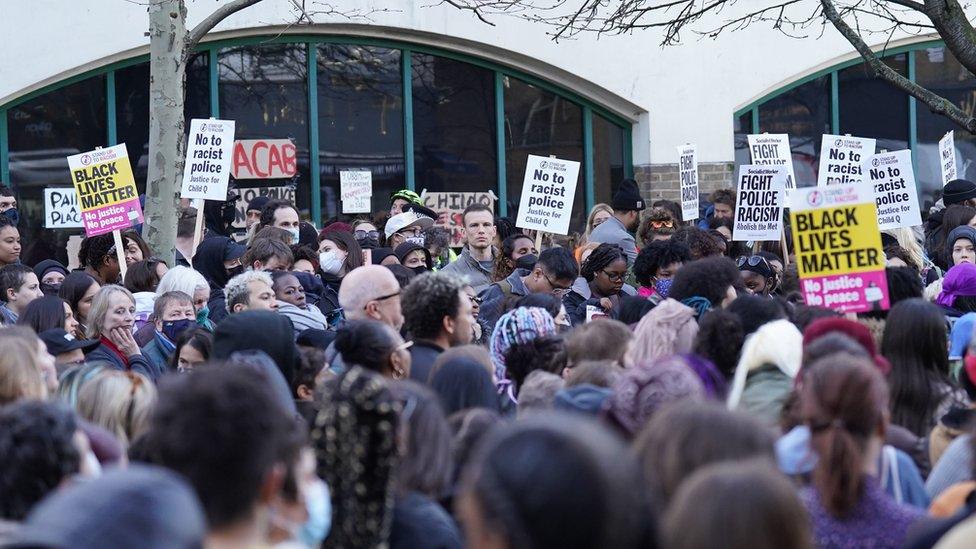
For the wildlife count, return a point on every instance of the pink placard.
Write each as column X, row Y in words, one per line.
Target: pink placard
column 119, row 216
column 848, row 293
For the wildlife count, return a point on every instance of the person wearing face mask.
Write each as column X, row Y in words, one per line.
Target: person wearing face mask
column 517, row 252
column 8, row 205
column 339, row 253
column 406, row 227
column 218, row 259
column 414, row 257
column 655, row 267
column 757, row 275
column 281, row 214
column 50, row 273
column 292, row 303
column 366, row 233
column 174, row 314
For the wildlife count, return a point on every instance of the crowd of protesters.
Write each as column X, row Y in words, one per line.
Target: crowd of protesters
column 647, row 383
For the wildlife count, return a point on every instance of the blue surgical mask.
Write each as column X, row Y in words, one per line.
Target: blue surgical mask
column 13, row 215
column 319, row 507
column 663, row 287
column 173, row 328
column 294, row 234
column 203, row 316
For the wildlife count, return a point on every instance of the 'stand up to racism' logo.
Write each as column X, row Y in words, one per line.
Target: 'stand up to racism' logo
column 544, row 164
column 815, row 198
column 876, row 162
column 839, row 143
column 86, row 159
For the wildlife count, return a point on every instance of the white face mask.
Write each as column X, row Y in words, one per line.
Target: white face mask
column 331, row 262
column 294, row 235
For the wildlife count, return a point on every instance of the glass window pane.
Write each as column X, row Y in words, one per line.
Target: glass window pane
column 871, row 107
column 939, row 71
column 741, row 128
column 453, row 125
column 360, row 120
column 541, row 123
column 804, row 114
column 197, row 104
column 42, row 133
column 263, row 88
column 132, row 117
column 608, row 158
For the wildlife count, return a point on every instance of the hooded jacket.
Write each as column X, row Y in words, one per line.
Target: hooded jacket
column 471, row 270
column 764, row 377
column 259, row 331
column 612, row 231
column 209, row 261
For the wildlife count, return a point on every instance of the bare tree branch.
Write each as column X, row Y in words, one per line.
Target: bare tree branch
column 211, row 21
column 934, row 101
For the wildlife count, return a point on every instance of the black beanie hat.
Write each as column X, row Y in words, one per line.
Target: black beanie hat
column 958, row 191
column 627, row 197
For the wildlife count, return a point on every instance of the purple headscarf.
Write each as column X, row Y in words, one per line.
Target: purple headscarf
column 959, row 281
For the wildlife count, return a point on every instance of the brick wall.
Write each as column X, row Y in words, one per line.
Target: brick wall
column 660, row 181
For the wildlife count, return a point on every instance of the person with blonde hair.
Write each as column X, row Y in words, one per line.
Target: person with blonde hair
column 119, row 402
column 42, row 360
column 110, row 321
column 669, row 329
column 20, row 378
column 598, row 214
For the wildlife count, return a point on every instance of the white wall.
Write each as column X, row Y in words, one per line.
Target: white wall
column 676, row 94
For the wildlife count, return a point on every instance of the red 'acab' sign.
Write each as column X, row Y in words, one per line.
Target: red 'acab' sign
column 264, row 159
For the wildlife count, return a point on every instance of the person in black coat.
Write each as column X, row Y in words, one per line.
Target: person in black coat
column 218, row 259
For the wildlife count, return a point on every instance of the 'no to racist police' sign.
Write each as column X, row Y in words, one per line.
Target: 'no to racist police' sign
column 893, row 181
column 947, row 156
column 842, row 158
column 208, row 158
column 106, row 190
column 548, row 191
column 838, row 248
column 760, row 196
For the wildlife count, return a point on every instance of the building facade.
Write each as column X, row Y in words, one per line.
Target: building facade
column 429, row 97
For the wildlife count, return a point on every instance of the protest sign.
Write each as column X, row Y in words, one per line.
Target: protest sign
column 760, row 197
column 893, row 180
column 688, row 172
column 264, row 159
column 842, row 158
column 61, row 209
column 208, row 157
column 449, row 207
column 106, row 190
column 247, row 194
column 773, row 149
column 356, row 190
column 947, row 156
column 838, row 248
column 548, row 190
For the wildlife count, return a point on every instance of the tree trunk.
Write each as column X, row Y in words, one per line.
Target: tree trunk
column 167, row 93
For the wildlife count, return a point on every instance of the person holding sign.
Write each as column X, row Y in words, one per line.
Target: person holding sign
column 600, row 284
column 100, row 259
column 627, row 205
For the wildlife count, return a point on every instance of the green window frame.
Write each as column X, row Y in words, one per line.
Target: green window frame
column 407, row 49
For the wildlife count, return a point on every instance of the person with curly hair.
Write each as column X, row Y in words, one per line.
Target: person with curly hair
column 706, row 284
column 658, row 224
column 600, row 284
column 699, row 241
column 437, row 314
column 656, row 266
column 513, row 250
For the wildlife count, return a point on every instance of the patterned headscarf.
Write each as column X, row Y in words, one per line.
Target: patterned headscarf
column 517, row 326
column 355, row 447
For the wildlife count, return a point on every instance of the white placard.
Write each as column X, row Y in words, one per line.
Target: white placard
column 842, row 158
column 760, row 197
column 773, row 149
column 688, row 173
column 548, row 191
column 892, row 179
column 61, row 210
column 356, row 190
column 209, row 153
column 947, row 156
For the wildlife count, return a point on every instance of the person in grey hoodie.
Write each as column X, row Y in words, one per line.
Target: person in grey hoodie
column 477, row 259
column 291, row 303
column 627, row 206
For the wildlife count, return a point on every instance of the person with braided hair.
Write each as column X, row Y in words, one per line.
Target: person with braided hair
column 98, row 257
column 601, row 283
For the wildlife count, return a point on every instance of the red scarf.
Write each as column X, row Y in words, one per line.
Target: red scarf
column 116, row 350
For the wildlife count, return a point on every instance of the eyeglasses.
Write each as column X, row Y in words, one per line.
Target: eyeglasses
column 363, row 235
column 557, row 290
column 614, row 277
column 410, row 231
column 475, row 299
column 659, row 224
column 383, row 298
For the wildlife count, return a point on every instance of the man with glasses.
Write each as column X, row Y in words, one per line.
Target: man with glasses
column 406, row 227
column 554, row 273
column 627, row 205
column 370, row 292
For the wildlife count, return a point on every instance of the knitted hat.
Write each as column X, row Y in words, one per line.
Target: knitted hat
column 962, row 231
column 669, row 329
column 854, row 330
column 514, row 327
column 258, row 203
column 958, row 191
column 628, row 197
column 646, row 387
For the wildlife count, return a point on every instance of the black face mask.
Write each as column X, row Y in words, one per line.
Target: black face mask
column 526, row 262
column 49, row 289
column 420, row 270
column 234, row 271
column 368, row 243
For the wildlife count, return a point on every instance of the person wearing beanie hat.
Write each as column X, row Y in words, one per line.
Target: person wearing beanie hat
column 401, row 198
column 959, row 191
column 627, row 205
column 961, row 246
column 253, row 212
column 50, row 274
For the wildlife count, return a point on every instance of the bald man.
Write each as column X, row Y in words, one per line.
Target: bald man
column 371, row 293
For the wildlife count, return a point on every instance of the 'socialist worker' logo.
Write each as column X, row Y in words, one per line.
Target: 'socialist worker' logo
column 85, row 159
column 815, row 198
